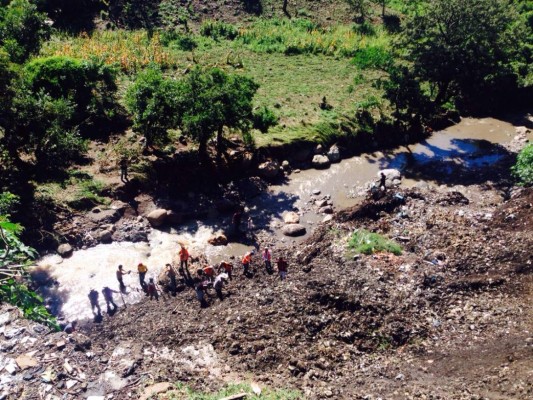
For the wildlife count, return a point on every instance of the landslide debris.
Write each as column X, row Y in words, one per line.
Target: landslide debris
column 449, row 318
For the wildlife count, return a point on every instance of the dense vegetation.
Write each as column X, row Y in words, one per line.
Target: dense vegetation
column 282, row 72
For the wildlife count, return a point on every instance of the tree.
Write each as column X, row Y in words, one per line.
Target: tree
column 71, row 15
column 89, row 85
column 215, row 100
column 284, row 8
column 463, row 48
column 22, row 29
column 201, row 104
column 153, row 101
column 360, row 7
column 383, row 4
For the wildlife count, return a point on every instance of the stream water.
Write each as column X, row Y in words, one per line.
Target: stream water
column 441, row 159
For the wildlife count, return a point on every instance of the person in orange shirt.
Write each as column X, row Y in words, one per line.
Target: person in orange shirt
column 227, row 267
column 246, row 261
column 184, row 261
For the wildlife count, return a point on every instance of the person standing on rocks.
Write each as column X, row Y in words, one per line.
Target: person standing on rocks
column 382, row 182
column 209, row 273
column 93, row 298
column 151, row 290
column 184, row 262
column 282, row 268
column 246, row 262
column 124, row 170
column 142, row 270
column 120, row 277
column 200, row 288
column 219, row 283
column 171, row 273
column 108, row 297
column 267, row 259
column 226, row 267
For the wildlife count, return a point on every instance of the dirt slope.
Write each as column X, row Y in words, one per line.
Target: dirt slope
column 451, row 318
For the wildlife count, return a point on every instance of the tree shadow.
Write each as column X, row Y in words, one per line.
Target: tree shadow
column 463, row 162
column 49, row 289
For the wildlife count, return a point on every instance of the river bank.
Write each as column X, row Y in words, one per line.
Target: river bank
column 457, row 158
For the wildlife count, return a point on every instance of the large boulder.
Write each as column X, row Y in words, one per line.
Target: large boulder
column 157, row 217
column 269, row 169
column 320, row 161
column 293, row 230
column 334, row 154
column 65, row 250
column 291, row 217
column 218, row 239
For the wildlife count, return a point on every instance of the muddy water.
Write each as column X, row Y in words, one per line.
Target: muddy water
column 472, row 143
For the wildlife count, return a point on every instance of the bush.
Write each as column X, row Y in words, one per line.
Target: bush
column 523, row 169
column 179, row 41
column 373, row 57
column 365, row 28
column 264, row 118
column 218, row 30
column 365, row 242
column 392, row 23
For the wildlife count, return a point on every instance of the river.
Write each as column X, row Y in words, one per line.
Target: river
column 440, row 160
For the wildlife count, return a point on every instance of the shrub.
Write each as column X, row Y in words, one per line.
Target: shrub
column 365, row 242
column 264, row 118
column 392, row 23
column 178, row 41
column 365, row 28
column 523, row 169
column 373, row 57
column 218, row 30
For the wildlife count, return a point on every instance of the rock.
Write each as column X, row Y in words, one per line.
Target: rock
column 269, row 169
column 326, row 210
column 155, row 389
column 157, row 217
column 291, row 217
column 320, row 161
column 61, row 345
column 11, row 367
column 319, row 149
column 316, row 192
column 104, row 236
column 285, row 165
column 104, row 216
column 25, row 361
column 65, row 250
column 218, row 239
column 327, row 218
column 321, row 203
column 293, row 230
column 334, row 154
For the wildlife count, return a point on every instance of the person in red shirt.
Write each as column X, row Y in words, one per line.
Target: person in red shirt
column 209, row 273
column 151, row 290
column 226, row 267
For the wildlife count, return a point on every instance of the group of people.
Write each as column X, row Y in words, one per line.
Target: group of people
column 210, row 276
